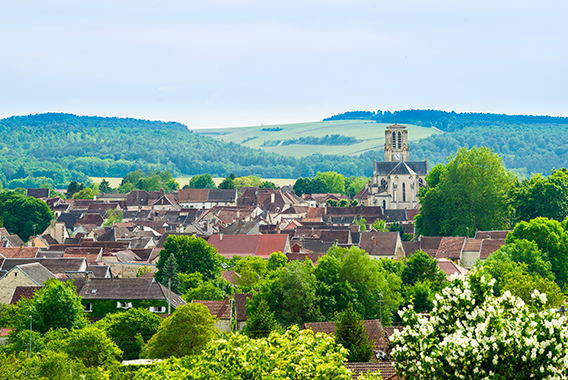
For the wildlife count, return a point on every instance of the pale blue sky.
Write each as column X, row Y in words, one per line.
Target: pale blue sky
column 235, row 63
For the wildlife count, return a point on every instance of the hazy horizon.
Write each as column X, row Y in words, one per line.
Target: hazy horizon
column 246, row 63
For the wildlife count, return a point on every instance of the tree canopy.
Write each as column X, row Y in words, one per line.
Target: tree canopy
column 467, row 194
column 186, row 332
column 24, row 216
column 192, row 254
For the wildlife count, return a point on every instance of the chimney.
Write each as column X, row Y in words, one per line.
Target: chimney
column 272, row 197
column 220, row 236
column 374, row 239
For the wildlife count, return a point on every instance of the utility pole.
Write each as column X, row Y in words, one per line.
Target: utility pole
column 168, row 297
column 381, row 307
column 30, row 348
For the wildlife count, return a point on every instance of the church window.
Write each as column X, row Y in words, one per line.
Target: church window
column 399, row 140
column 384, row 205
column 394, row 140
column 403, row 192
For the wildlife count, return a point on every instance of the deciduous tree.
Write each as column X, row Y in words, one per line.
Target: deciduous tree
column 470, row 192
column 186, row 332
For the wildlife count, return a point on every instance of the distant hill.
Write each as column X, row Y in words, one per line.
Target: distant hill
column 363, row 135
column 55, row 148
column 528, row 144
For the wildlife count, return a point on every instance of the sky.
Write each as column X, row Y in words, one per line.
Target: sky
column 237, row 63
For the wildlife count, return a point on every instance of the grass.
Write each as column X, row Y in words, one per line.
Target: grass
column 115, row 181
column 372, row 135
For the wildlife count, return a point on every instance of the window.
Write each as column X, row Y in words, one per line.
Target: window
column 404, row 192
column 123, row 305
column 394, row 140
column 157, row 309
column 399, row 140
column 384, row 205
column 88, row 308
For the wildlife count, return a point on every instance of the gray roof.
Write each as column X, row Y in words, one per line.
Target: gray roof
column 127, row 289
column 224, row 195
column 401, row 167
column 54, row 265
column 36, row 272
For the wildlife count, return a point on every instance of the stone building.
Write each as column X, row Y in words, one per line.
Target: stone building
column 396, row 180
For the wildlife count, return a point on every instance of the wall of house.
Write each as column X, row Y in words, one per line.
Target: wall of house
column 241, row 325
column 128, row 270
column 224, row 325
column 9, row 282
column 469, row 258
column 100, row 308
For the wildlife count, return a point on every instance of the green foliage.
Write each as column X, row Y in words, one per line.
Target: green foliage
column 473, row 334
column 73, row 188
column 250, row 181
column 276, row 260
column 189, row 281
column 204, row 292
column 130, row 329
column 335, row 182
column 186, row 332
column 24, row 216
column 396, row 227
column 379, row 225
column 290, row 294
column 203, row 181
column 86, row 193
column 420, row 267
column 351, row 275
column 92, row 347
column 192, row 254
column 113, row 216
column 362, row 223
column 522, row 284
column 551, row 238
column 252, row 269
column 471, row 194
column 541, row 197
column 353, row 185
column 152, row 181
column 311, row 140
column 169, row 277
column 104, row 187
column 56, row 305
column 350, row 332
column 227, row 183
column 261, row 322
column 293, row 355
column 268, row 185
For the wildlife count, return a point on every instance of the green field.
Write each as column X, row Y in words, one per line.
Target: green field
column 371, row 133
column 115, row 182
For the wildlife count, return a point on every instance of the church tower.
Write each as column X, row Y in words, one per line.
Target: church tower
column 396, row 143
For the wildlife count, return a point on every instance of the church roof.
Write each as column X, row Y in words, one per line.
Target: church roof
column 401, row 167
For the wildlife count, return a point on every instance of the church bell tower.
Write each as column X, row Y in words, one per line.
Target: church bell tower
column 396, row 143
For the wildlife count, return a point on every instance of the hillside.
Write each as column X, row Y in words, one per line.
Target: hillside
column 53, row 149
column 370, row 136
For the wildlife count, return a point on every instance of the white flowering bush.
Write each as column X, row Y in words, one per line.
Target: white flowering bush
column 472, row 334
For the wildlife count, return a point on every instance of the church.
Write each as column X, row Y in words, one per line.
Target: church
column 396, row 180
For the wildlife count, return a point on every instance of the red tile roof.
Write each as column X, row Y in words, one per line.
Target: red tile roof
column 19, row 253
column 249, row 245
column 193, row 195
column 489, row 246
column 430, row 244
column 492, row 234
column 449, row 267
column 472, row 245
column 379, row 243
column 450, row 247
column 220, row 309
column 23, row 291
column 241, row 305
column 411, row 213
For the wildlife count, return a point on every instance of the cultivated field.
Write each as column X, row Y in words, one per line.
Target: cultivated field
column 371, row 134
column 115, row 182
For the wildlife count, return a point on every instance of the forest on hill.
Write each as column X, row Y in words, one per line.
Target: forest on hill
column 54, row 149
column 527, row 144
